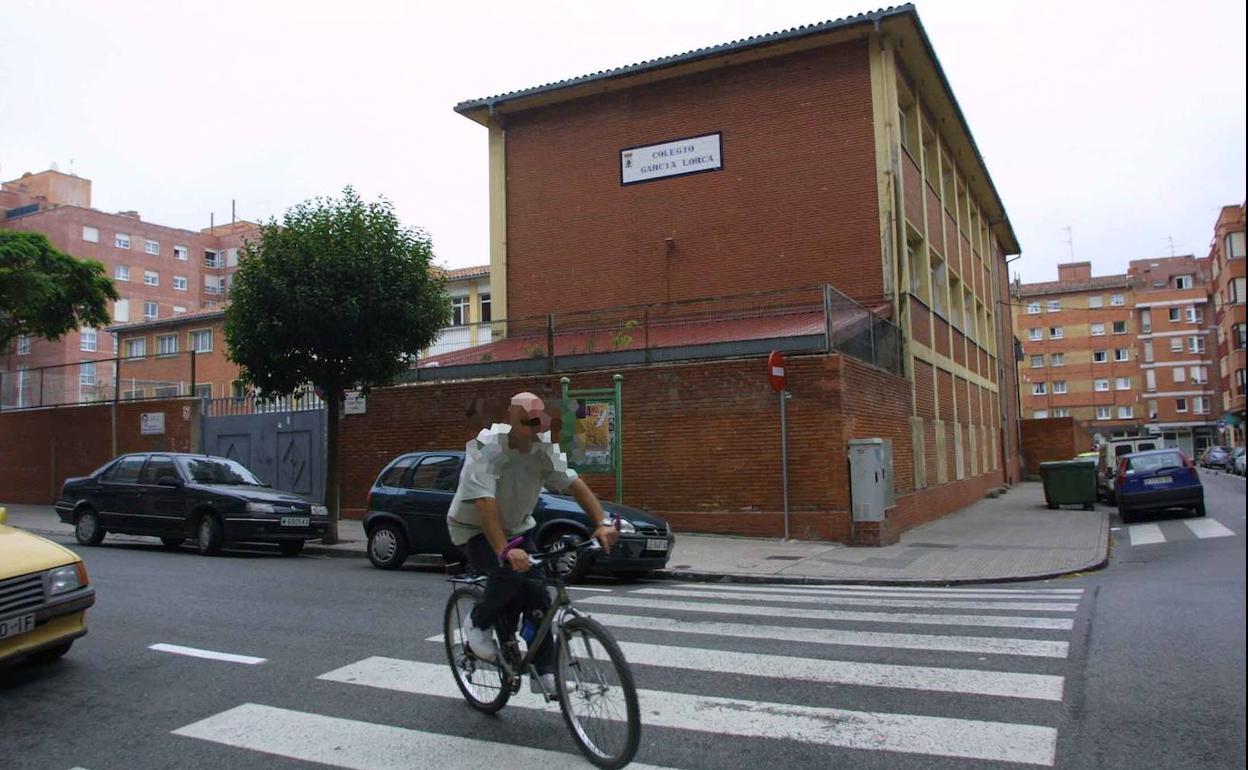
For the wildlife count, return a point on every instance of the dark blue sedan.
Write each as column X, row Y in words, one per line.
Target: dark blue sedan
column 1156, row 480
column 408, row 503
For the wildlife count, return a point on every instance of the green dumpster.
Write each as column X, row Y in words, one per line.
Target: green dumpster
column 1069, row 482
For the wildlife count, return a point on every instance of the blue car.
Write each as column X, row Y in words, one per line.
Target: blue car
column 1156, row 480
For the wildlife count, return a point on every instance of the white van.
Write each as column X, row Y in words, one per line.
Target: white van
column 1111, row 453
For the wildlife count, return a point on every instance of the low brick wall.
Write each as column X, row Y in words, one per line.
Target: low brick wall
column 1054, row 438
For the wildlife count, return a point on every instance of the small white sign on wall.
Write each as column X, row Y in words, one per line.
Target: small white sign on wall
column 677, row 158
column 152, row 423
column 354, row 403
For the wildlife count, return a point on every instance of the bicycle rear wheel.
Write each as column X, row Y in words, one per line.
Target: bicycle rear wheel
column 482, row 682
column 597, row 694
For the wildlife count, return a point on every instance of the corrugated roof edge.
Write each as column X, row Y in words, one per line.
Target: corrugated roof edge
column 699, row 53
column 1066, row 287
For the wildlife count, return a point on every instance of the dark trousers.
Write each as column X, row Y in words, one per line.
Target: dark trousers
column 507, row 594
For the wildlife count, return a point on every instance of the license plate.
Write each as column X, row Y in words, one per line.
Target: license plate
column 656, row 545
column 1154, row 481
column 295, row 521
column 18, row 625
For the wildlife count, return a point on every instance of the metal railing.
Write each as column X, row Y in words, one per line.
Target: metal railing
column 101, row 381
column 252, row 404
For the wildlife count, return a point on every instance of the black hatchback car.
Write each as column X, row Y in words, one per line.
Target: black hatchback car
column 211, row 500
column 408, row 504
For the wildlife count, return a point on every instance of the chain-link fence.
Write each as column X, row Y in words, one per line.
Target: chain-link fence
column 103, row 380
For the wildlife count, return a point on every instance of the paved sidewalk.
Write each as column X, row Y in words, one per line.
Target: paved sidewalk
column 1012, row 537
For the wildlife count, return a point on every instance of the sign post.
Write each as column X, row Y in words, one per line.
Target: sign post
column 776, row 375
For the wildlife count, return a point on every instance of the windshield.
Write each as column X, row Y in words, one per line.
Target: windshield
column 218, row 470
column 1156, row 462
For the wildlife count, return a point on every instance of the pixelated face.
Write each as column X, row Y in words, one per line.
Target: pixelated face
column 528, row 417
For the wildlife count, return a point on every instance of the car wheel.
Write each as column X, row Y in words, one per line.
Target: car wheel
column 387, row 546
column 1124, row 516
column 173, row 543
column 1199, row 511
column 208, row 539
column 87, row 529
column 290, row 547
column 572, row 566
column 52, row 653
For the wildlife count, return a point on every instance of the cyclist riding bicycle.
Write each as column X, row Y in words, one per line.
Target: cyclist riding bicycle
column 505, row 468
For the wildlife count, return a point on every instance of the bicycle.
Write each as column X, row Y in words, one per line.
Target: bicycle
column 590, row 669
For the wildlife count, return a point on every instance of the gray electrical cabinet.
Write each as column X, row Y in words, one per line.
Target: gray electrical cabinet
column 871, row 478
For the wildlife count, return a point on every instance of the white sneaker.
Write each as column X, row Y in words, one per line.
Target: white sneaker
column 480, row 641
column 547, row 685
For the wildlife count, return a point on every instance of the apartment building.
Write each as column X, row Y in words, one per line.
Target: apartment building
column 1230, row 322
column 1080, row 357
column 1174, row 336
column 160, row 272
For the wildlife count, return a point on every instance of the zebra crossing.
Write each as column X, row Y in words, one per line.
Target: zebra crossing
column 933, row 676
column 1172, row 531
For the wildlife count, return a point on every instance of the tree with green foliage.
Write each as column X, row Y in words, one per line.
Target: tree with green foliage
column 47, row 293
column 339, row 295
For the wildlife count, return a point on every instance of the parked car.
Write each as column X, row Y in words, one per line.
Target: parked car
column 1237, row 460
column 408, row 504
column 1112, row 453
column 1216, row 457
column 1156, row 480
column 44, row 596
column 213, row 501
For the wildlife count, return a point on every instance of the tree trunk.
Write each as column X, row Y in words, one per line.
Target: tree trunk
column 333, row 406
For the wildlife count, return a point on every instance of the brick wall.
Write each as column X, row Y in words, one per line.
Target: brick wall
column 1054, row 438
column 798, row 143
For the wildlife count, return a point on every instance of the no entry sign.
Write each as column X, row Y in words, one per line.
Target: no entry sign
column 776, row 371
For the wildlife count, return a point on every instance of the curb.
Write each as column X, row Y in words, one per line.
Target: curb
column 309, row 548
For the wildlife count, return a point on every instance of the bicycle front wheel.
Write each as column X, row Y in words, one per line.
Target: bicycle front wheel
column 483, row 683
column 597, row 694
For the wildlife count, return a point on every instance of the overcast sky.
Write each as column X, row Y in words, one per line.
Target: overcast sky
column 1124, row 121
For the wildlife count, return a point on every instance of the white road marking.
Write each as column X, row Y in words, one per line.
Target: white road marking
column 587, row 588
column 902, row 618
column 1057, row 593
column 1005, row 684
column 983, row 645
column 209, row 654
column 1145, row 534
column 366, row 746
column 935, row 593
column 866, row 601
column 1209, row 528
column 870, row 731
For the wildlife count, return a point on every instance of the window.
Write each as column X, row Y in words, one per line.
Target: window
column 1180, row 405
column 1122, row 354
column 1061, row 412
column 214, row 284
column 1055, row 305
column 438, row 473
column 1150, row 379
column 121, row 310
column 150, row 311
column 1118, row 300
column 1102, row 385
column 86, row 373
column 393, row 477
column 1241, row 335
column 1182, row 282
column 1037, row 362
column 90, row 234
column 1098, row 330
column 1180, row 374
column 1196, row 344
column 132, row 395
column 1241, row 384
column 1096, row 301
column 1100, row 356
column 1146, row 321
column 1176, row 344
column 1122, row 383
column 167, row 344
column 1057, row 359
column 87, row 340
column 1234, row 245
column 940, row 275
column 151, row 278
column 1195, row 315
column 231, row 257
column 121, row 241
column 1200, row 405
column 151, row 247
column 1148, row 351
column 179, row 283
column 485, row 308
column 1175, row 315
column 459, row 311
column 1120, row 327
column 159, row 467
column 127, row 471
column 1034, row 335
column 1040, row 414
column 201, row 341
column 1236, row 289
column 1059, row 387
column 180, row 253
column 203, row 390
column 1152, row 409
column 1056, row 332
column 178, row 310
column 136, row 348
column 1033, row 308
column 1126, row 412
column 122, row 273
column 213, row 259
column 23, row 344
column 1102, row 413
column 1200, row 375
column 1038, row 389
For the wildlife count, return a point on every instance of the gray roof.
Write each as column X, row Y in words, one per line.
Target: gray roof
column 1067, row 287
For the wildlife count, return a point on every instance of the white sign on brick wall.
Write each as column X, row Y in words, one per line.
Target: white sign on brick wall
column 676, row 158
column 152, row 423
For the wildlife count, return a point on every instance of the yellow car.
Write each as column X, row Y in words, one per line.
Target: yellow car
column 44, row 596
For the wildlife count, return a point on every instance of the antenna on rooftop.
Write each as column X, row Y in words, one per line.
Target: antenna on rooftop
column 1070, row 241
column 1170, row 238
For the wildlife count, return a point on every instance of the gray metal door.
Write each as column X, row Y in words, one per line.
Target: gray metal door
column 281, row 441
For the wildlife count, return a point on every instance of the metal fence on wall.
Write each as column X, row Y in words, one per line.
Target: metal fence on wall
column 100, row 381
